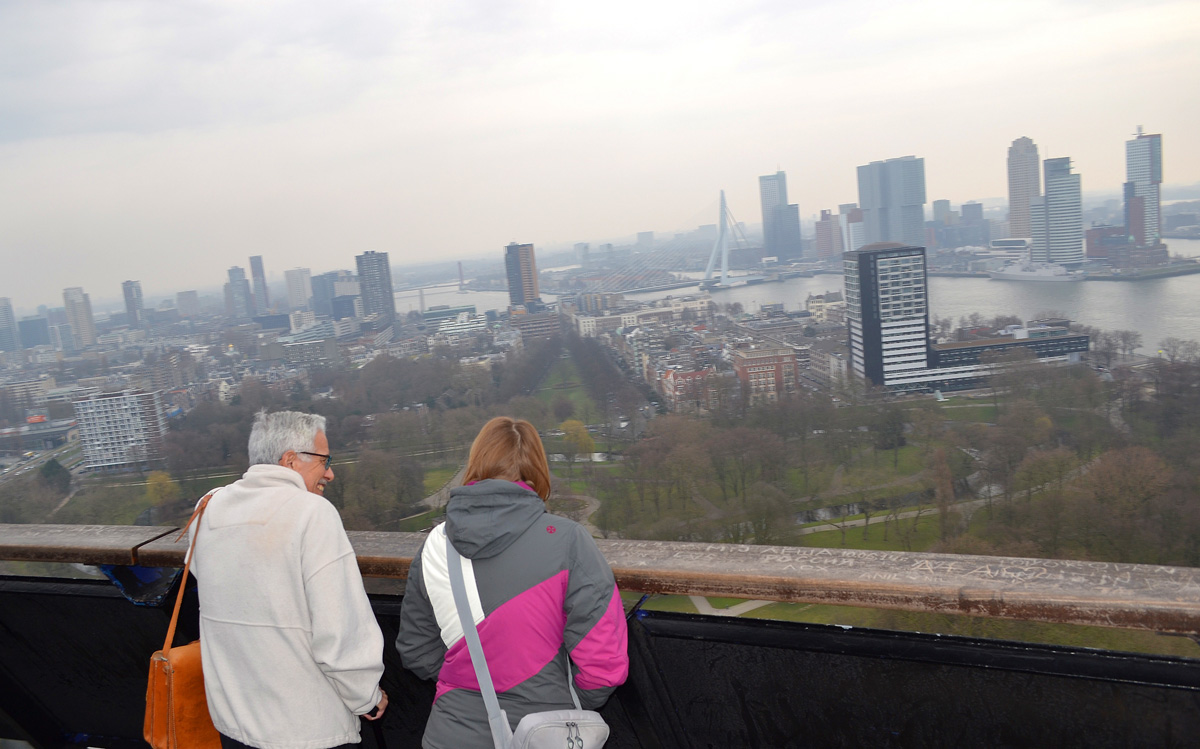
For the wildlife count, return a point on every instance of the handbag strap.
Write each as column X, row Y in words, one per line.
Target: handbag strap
column 166, row 648
column 497, row 720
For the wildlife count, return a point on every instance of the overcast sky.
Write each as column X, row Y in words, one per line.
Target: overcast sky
column 166, row 141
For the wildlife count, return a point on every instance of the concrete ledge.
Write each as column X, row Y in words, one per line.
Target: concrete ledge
column 1156, row 598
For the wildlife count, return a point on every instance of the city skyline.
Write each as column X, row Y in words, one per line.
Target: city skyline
column 280, row 132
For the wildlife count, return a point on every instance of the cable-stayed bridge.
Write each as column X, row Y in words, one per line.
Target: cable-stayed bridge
column 659, row 268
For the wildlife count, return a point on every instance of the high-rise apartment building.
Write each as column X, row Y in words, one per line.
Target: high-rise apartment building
column 1056, row 219
column 262, row 297
column 121, row 429
column 892, row 197
column 1024, row 185
column 887, row 311
column 1143, row 175
column 828, row 236
column 521, row 269
column 239, row 302
column 79, row 315
column 299, row 288
column 135, row 312
column 781, row 220
column 10, row 334
column 375, row 282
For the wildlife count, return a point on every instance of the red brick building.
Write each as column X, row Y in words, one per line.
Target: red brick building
column 767, row 372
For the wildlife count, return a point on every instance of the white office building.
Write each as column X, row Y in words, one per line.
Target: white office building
column 1056, row 219
column 299, row 287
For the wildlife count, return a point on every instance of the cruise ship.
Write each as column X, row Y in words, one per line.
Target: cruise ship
column 1027, row 271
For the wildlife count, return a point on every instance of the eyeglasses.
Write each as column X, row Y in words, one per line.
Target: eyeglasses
column 328, row 458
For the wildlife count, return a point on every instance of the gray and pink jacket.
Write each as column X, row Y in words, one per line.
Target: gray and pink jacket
column 543, row 588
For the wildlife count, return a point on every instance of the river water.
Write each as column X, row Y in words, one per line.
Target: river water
column 1157, row 309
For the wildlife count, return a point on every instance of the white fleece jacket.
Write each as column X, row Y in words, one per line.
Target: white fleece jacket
column 291, row 650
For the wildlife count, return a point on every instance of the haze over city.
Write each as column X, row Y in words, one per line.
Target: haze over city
column 166, row 143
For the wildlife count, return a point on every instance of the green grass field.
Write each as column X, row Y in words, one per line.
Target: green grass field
column 436, row 478
column 969, row 411
column 105, row 506
column 926, row 534
column 1069, row 635
column 564, row 380
column 419, row 522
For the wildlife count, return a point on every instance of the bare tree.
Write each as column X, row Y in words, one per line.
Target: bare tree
column 1179, row 350
column 1128, row 341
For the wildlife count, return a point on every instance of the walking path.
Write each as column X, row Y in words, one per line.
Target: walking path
column 438, row 499
column 704, row 607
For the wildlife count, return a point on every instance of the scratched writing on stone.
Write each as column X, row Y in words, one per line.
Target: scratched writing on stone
column 1007, row 572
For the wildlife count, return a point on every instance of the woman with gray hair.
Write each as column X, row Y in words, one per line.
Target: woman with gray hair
column 290, row 647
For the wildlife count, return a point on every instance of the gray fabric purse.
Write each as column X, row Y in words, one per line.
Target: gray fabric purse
column 553, row 729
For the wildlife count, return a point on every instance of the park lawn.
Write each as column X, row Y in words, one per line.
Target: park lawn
column 113, row 505
column 820, row 475
column 874, row 516
column 1070, row 635
column 436, row 478
column 678, row 604
column 564, row 380
column 979, row 414
column 927, row 535
column 419, row 522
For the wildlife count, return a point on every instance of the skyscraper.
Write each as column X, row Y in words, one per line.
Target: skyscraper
column 375, row 282
column 299, row 288
column 828, row 236
column 1024, row 184
column 134, row 310
column 188, row 303
column 886, row 311
column 79, row 315
column 942, row 213
column 854, row 232
column 329, row 286
column 1143, row 174
column 781, row 220
column 521, row 268
column 10, row 335
column 262, row 297
column 35, row 331
column 1057, row 218
column 238, row 300
column 892, row 197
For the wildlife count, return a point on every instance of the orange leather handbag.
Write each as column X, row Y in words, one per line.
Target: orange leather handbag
column 176, row 708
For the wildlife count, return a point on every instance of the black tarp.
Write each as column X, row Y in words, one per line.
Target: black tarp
column 74, row 657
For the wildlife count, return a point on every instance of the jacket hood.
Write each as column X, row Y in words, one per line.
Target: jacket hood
column 484, row 519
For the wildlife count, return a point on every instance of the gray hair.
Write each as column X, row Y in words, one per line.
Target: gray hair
column 273, row 434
